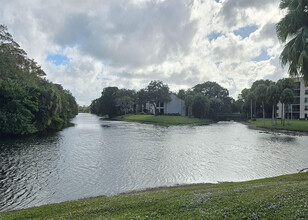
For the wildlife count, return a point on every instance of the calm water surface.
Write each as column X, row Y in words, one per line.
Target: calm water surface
column 97, row 157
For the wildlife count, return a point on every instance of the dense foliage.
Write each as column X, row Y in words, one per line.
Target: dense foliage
column 28, row 102
column 205, row 100
column 262, row 98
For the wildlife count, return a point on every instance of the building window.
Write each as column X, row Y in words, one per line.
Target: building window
column 306, row 92
column 306, row 108
column 297, row 85
column 297, row 101
column 296, row 92
column 306, row 100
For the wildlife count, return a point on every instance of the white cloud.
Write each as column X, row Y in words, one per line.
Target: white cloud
column 128, row 43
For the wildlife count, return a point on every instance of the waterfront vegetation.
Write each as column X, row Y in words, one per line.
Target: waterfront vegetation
column 282, row 197
column 28, row 102
column 205, row 100
column 294, row 125
column 163, row 119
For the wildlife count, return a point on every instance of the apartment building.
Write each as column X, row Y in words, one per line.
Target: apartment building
column 299, row 108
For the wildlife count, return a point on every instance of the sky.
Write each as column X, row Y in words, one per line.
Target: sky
column 89, row 45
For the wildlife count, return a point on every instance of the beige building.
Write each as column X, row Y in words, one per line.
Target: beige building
column 299, row 108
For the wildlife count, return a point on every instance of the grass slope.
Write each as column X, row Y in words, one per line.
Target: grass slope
column 163, row 119
column 273, row 198
column 295, row 125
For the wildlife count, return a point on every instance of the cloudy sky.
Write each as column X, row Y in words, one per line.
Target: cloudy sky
column 89, row 45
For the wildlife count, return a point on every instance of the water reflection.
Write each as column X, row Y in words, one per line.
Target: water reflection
column 97, row 157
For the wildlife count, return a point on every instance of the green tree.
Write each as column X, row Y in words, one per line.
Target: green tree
column 126, row 99
column 287, row 97
column 181, row 94
column 250, row 97
column 293, row 30
column 285, row 83
column 142, row 99
column 272, row 97
column 211, row 90
column 260, row 93
column 125, row 102
column 201, row 106
column 157, row 92
column 108, row 102
column 28, row 102
column 189, row 101
column 216, row 106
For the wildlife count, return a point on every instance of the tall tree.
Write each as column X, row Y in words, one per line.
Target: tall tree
column 294, row 29
column 260, row 93
column 201, row 106
column 216, row 106
column 285, row 83
column 142, row 99
column 189, row 101
column 126, row 99
column 272, row 97
column 107, row 103
column 181, row 94
column 211, row 90
column 157, row 91
column 250, row 98
column 28, row 102
column 287, row 97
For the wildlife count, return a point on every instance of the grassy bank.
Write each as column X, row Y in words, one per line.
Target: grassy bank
column 295, row 125
column 163, row 119
column 278, row 197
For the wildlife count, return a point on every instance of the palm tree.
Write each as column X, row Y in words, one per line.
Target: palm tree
column 294, row 26
column 251, row 97
column 287, row 98
column 272, row 98
column 260, row 93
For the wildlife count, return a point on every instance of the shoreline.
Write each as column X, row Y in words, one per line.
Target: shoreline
column 276, row 130
column 162, row 194
column 162, row 120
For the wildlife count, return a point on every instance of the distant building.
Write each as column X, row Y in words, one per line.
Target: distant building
column 299, row 108
column 175, row 106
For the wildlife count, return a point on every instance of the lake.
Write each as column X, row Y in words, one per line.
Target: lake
column 97, row 157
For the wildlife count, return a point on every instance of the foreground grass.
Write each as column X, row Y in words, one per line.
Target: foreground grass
column 273, row 198
column 295, row 125
column 163, row 119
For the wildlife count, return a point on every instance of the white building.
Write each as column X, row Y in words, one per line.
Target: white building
column 175, row 106
column 299, row 108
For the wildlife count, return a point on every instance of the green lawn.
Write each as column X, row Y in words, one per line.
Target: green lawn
column 163, row 119
column 284, row 197
column 295, row 125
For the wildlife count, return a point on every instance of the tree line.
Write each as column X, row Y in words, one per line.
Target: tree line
column 204, row 100
column 28, row 102
column 262, row 98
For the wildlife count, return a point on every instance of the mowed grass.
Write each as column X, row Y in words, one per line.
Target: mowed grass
column 295, row 125
column 284, row 197
column 163, row 119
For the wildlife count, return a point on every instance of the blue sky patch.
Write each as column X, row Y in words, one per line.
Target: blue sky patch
column 262, row 57
column 214, row 36
column 246, row 31
column 58, row 59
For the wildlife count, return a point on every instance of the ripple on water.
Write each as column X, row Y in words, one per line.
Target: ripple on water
column 97, row 157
